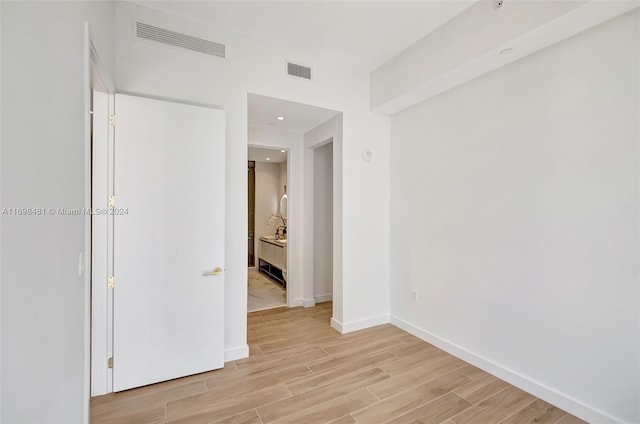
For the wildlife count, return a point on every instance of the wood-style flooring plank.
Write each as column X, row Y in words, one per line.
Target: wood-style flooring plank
column 495, row 408
column 257, row 382
column 482, row 385
column 312, row 339
column 435, row 411
column 293, row 404
column 271, row 364
column 321, row 379
column 412, row 378
column 248, row 417
column 347, row 419
column 330, row 410
column 411, row 361
column 537, row 412
column 352, row 346
column 570, row 419
column 400, row 404
column 152, row 414
column 334, row 361
column 204, row 408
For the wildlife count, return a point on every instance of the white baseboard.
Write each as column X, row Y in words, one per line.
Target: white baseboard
column 548, row 394
column 324, row 297
column 348, row 327
column 234, row 353
column 336, row 324
column 307, row 303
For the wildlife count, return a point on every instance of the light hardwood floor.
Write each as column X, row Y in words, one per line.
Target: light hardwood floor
column 302, row 371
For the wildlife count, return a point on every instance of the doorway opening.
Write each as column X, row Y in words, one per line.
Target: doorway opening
column 301, row 129
column 251, row 201
column 268, row 230
column 323, row 222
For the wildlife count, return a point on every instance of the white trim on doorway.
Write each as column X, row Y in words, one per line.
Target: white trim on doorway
column 98, row 86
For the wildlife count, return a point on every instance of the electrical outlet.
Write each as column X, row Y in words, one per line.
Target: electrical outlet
column 414, row 295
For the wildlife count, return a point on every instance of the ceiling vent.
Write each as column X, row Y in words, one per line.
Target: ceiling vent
column 177, row 39
column 299, row 71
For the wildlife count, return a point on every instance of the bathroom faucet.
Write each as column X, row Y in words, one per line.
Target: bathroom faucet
column 284, row 223
column 278, row 234
column 284, row 228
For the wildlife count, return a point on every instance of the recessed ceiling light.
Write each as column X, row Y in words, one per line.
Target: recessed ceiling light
column 268, row 158
column 280, row 118
column 506, row 52
column 283, row 151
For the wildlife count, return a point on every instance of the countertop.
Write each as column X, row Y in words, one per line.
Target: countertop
column 272, row 240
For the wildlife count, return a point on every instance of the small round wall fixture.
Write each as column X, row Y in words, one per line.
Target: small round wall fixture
column 367, row 156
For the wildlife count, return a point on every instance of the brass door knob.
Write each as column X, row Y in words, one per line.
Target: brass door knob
column 216, row 271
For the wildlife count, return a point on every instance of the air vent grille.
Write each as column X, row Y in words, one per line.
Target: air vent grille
column 300, row 71
column 177, row 39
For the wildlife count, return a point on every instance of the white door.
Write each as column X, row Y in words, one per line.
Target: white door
column 168, row 239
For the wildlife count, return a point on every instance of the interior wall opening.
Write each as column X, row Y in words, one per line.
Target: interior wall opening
column 298, row 129
column 268, row 230
column 323, row 223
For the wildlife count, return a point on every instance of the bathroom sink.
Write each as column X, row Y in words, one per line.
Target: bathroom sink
column 282, row 241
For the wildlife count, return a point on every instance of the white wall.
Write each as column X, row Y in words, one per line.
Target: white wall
column 43, row 370
column 323, row 223
column 283, row 182
column 255, row 67
column 515, row 204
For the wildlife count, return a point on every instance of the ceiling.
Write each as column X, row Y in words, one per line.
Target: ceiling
column 259, row 154
column 357, row 34
column 263, row 112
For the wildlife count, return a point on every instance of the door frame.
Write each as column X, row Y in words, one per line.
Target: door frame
column 101, row 244
column 330, row 131
column 98, row 85
column 310, row 206
column 291, row 302
column 97, row 82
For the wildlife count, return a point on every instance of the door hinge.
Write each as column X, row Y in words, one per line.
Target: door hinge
column 112, row 120
column 110, row 362
column 112, row 201
column 111, row 282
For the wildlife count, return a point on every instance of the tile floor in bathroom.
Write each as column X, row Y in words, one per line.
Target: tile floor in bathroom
column 263, row 293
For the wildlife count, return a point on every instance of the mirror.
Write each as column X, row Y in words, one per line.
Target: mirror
column 283, row 205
